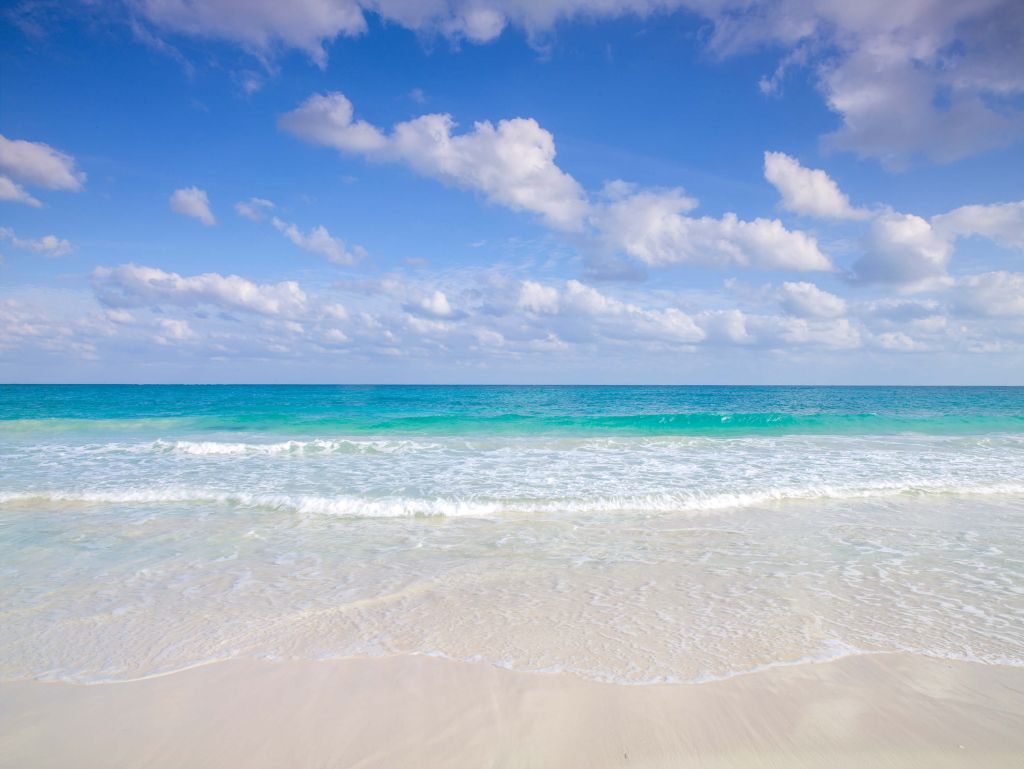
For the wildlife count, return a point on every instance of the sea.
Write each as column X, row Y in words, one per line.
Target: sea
column 633, row 535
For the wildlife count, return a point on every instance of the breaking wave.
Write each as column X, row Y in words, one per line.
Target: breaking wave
column 353, row 506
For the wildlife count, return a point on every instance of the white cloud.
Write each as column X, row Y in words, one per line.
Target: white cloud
column 897, row 341
column 318, row 241
column 578, row 297
column 808, row 191
column 434, row 304
column 192, row 201
column 49, row 245
column 477, row 23
column 1001, row 222
column 938, row 77
column 14, row 193
column 887, row 102
column 806, row 300
column 652, row 226
column 511, row 164
column 173, row 330
column 57, row 328
column 120, row 316
column 310, row 25
column 992, row 294
column 261, row 25
column 903, row 249
column 335, row 336
column 254, row 209
column 907, row 250
column 326, row 119
column 335, row 311
column 938, row 83
column 784, row 331
column 901, row 310
column 590, row 314
column 481, row 317
column 40, row 165
column 736, row 327
column 932, row 77
column 726, row 327
column 132, row 285
column 536, row 297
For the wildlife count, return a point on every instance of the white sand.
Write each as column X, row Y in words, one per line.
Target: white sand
column 864, row 712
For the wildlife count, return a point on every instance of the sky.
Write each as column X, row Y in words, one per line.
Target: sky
column 512, row 191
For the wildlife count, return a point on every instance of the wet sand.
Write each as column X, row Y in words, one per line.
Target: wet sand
column 414, row 711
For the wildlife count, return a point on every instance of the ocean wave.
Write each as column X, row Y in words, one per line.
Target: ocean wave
column 552, row 444
column 293, row 447
column 351, row 506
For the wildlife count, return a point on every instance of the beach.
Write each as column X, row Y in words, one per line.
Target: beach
column 872, row 710
column 334, row 576
column 511, row 384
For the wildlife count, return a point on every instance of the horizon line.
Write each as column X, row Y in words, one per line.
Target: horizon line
column 482, row 384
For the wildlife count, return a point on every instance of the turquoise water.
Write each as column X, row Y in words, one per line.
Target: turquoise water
column 627, row 534
column 518, row 410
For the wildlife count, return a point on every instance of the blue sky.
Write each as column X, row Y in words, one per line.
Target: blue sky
column 512, row 191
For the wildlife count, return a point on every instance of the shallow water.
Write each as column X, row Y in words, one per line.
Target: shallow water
column 624, row 534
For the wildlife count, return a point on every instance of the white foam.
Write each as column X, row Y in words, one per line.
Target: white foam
column 314, row 446
column 693, row 501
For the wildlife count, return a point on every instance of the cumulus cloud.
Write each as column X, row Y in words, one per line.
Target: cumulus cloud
column 808, row 191
column 511, row 163
column 12, row 192
column 896, row 341
column 310, row 25
column 262, row 25
column 318, row 241
column 888, row 103
column 254, row 209
column 652, row 226
column 536, row 297
column 931, row 77
column 624, row 321
column 40, row 165
column 903, row 249
column 173, row 330
column 434, row 304
column 1001, row 222
column 58, row 330
column 48, row 245
column 480, row 316
column 784, row 331
column 192, row 201
column 806, row 300
column 327, row 119
column 908, row 250
column 726, row 327
column 992, row 294
column 935, row 77
column 131, row 285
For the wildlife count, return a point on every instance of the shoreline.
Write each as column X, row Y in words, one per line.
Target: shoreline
column 568, row 672
column 894, row 710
